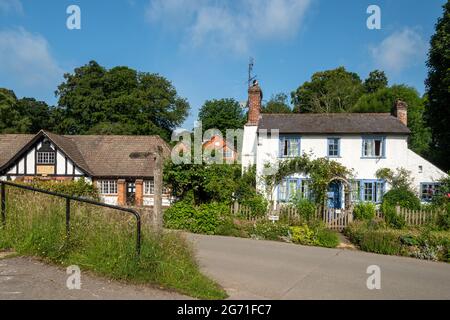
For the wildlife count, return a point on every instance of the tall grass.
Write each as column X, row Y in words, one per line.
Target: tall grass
column 103, row 241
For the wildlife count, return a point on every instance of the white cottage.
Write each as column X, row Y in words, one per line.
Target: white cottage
column 364, row 142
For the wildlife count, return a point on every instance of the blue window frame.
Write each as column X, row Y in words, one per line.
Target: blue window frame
column 368, row 190
column 334, row 147
column 291, row 187
column 373, row 147
column 289, row 146
column 428, row 190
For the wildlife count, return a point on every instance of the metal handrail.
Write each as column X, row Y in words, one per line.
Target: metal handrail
column 68, row 198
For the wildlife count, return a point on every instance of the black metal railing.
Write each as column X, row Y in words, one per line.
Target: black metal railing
column 68, row 198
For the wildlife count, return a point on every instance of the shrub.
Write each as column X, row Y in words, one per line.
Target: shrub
column 384, row 242
column 443, row 218
column 257, row 204
column 305, row 208
column 180, row 216
column 77, row 188
column 391, row 216
column 206, row 217
column 268, row 230
column 327, row 238
column 364, row 211
column 303, row 235
column 403, row 197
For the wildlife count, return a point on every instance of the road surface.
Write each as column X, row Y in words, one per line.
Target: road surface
column 253, row 269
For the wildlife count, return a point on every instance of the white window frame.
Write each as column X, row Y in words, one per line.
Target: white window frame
column 149, row 187
column 46, row 157
column 107, row 187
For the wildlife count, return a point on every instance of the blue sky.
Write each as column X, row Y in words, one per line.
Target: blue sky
column 203, row 46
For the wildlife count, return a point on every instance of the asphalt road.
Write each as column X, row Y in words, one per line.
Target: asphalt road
column 254, row 269
column 27, row 278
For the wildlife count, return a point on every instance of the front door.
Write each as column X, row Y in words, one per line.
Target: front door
column 131, row 193
column 334, row 195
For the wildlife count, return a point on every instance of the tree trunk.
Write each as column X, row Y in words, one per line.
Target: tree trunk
column 157, row 206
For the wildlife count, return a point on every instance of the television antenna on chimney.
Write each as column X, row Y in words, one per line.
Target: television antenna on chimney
column 250, row 71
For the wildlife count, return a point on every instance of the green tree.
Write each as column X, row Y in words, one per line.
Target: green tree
column 37, row 113
column 384, row 100
column 328, row 91
column 221, row 114
column 277, row 104
column 133, row 102
column 377, row 80
column 438, row 90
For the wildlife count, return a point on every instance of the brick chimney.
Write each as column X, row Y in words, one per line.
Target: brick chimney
column 255, row 96
column 401, row 111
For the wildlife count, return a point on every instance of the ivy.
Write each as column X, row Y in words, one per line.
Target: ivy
column 321, row 171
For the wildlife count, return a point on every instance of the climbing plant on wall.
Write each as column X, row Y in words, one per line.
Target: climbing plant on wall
column 320, row 170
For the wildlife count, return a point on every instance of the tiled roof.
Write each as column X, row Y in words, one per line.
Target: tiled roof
column 334, row 123
column 99, row 156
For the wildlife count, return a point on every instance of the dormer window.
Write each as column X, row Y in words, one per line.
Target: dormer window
column 45, row 154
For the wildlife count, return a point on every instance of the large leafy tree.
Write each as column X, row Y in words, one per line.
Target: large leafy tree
column 375, row 81
column 221, row 114
column 22, row 115
column 438, row 90
column 329, row 91
column 121, row 100
column 384, row 100
column 277, row 104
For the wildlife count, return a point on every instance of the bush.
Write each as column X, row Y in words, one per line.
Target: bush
column 316, row 235
column 305, row 208
column 180, row 216
column 303, row 235
column 78, row 188
column 207, row 217
column 327, row 238
column 391, row 216
column 267, row 230
column 383, row 242
column 443, row 218
column 364, row 211
column 257, row 204
column 403, row 197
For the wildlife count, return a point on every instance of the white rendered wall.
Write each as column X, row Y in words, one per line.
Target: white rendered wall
column 249, row 142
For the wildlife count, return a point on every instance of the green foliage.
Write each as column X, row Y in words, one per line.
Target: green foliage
column 78, row 188
column 204, row 219
column 221, row 114
column 391, row 216
column 267, row 230
column 401, row 178
column 305, row 208
column 314, row 234
column 102, row 241
column 443, row 197
column 438, row 89
column 277, row 104
column 320, row 171
column 403, row 197
column 364, row 211
column 257, row 204
column 381, row 242
column 443, row 218
column 328, row 91
column 93, row 97
column 384, row 100
column 377, row 80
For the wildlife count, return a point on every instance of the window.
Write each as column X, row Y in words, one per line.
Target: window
column 149, row 187
column 289, row 146
column 356, row 191
column 373, row 147
column 282, row 191
column 372, row 191
column 428, row 191
column 333, row 147
column 108, row 187
column 304, row 189
column 294, row 187
column 45, row 158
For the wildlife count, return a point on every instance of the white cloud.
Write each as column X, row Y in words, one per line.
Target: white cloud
column 234, row 25
column 26, row 58
column 399, row 51
column 9, row 6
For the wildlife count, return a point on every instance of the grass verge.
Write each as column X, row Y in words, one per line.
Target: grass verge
column 103, row 241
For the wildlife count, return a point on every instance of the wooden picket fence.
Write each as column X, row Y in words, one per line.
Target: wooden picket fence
column 414, row 217
column 335, row 219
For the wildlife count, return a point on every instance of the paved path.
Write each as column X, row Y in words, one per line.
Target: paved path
column 26, row 278
column 252, row 269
